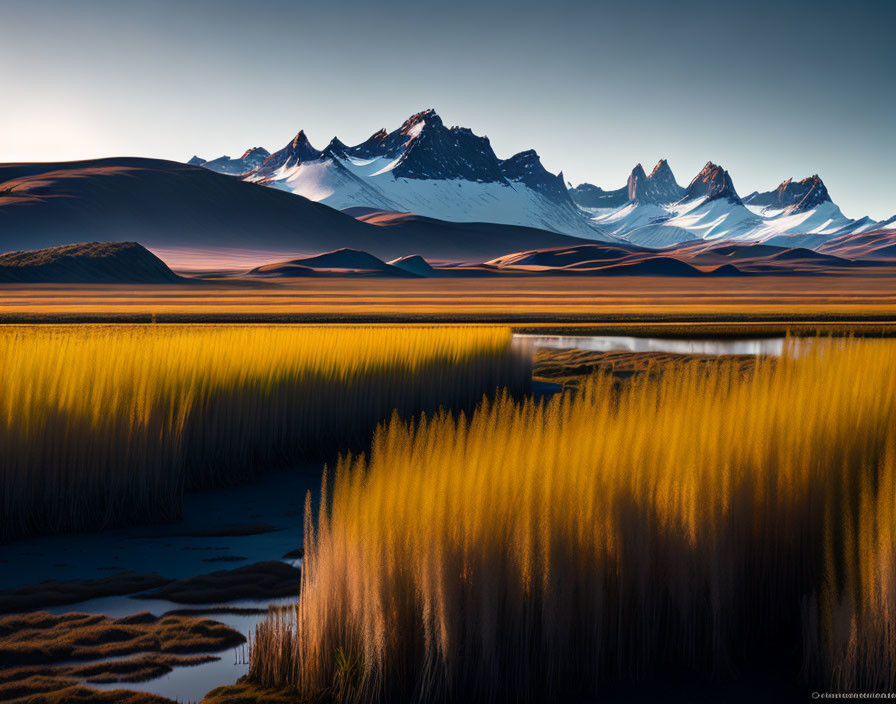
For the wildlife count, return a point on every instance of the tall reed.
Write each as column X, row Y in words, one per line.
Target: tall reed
column 109, row 424
column 677, row 525
column 850, row 622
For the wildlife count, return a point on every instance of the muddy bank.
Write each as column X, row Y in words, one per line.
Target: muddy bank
column 568, row 367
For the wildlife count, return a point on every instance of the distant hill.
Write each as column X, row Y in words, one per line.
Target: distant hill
column 91, row 262
column 341, row 262
column 777, row 259
column 877, row 244
column 415, row 264
column 598, row 259
column 173, row 206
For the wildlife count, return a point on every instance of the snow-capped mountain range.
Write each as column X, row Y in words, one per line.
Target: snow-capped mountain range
column 422, row 167
column 794, row 214
column 452, row 174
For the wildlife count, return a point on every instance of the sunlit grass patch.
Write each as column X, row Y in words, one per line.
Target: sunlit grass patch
column 102, row 425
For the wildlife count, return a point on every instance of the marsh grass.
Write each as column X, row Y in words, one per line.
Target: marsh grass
column 104, row 425
column 703, row 523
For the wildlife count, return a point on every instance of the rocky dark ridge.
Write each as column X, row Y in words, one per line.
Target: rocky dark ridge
column 382, row 144
column 637, row 185
column 375, row 145
column 439, row 152
column 799, row 196
column 249, row 161
column 336, row 149
column 588, row 195
column 712, row 183
column 526, row 168
column 657, row 187
column 255, row 156
column 298, row 151
column 663, row 185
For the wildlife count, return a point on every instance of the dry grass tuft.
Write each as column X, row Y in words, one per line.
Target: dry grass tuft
column 37, row 650
column 700, row 522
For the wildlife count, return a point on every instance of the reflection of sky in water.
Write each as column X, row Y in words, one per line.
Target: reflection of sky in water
column 602, row 343
column 194, row 682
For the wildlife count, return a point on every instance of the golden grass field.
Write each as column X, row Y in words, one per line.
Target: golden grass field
column 704, row 522
column 763, row 303
column 101, row 425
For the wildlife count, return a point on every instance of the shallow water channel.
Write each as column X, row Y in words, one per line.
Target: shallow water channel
column 606, row 343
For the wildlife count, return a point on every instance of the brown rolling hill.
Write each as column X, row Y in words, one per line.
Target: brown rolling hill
column 772, row 259
column 877, row 245
column 176, row 207
column 603, row 259
column 90, row 262
column 340, row 262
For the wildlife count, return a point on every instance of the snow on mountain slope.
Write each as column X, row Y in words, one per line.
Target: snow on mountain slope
column 711, row 218
column 796, row 213
column 328, row 181
column 662, row 214
column 824, row 219
column 427, row 168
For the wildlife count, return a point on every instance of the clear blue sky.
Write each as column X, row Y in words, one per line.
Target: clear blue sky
column 767, row 89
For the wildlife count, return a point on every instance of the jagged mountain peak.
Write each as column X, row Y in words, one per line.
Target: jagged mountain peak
column 659, row 187
column 712, row 182
column 253, row 153
column 527, row 157
column 301, row 143
column 799, row 196
column 662, row 170
column 373, row 146
column 432, row 151
column 196, row 161
column 526, row 167
column 637, row 184
column 298, row 151
column 336, row 148
column 415, row 123
column 811, row 192
column 383, row 144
